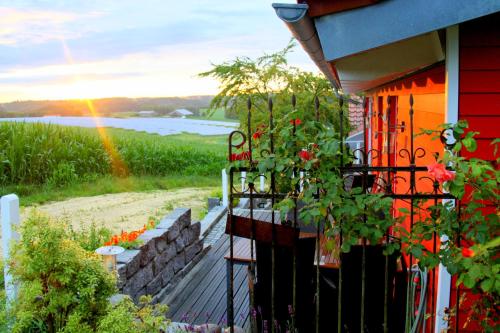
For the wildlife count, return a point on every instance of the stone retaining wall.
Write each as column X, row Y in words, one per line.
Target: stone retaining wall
column 162, row 259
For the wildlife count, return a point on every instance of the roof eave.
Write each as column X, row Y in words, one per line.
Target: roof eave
column 303, row 29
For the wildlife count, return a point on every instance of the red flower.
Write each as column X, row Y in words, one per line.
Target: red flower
column 439, row 172
column 257, row 135
column 315, row 146
column 296, row 121
column 305, row 155
column 467, row 252
column 245, row 155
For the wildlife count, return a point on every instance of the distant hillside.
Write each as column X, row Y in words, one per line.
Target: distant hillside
column 105, row 106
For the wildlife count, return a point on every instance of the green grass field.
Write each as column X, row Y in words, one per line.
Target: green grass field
column 43, row 162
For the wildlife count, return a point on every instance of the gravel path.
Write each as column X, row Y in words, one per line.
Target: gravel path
column 124, row 211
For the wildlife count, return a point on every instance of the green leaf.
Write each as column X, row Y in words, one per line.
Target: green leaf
column 487, row 284
column 469, row 281
column 416, row 251
column 469, row 144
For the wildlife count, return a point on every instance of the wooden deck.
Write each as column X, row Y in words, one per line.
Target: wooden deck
column 201, row 296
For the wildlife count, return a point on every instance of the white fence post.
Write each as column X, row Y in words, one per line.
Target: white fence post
column 301, row 182
column 10, row 218
column 358, row 152
column 225, row 199
column 243, row 180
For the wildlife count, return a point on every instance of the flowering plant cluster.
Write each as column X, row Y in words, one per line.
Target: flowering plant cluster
column 129, row 240
column 471, row 251
column 470, row 225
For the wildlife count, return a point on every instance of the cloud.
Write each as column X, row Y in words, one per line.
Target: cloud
column 72, row 49
column 164, row 71
column 35, row 26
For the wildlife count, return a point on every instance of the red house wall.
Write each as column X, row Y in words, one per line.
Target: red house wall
column 479, row 103
column 479, row 86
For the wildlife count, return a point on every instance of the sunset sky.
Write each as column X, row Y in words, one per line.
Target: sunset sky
column 102, row 48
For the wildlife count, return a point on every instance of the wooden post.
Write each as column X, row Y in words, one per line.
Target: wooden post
column 225, row 200
column 10, row 218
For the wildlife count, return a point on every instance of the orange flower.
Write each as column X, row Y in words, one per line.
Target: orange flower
column 115, row 240
column 108, row 243
column 133, row 236
column 295, row 121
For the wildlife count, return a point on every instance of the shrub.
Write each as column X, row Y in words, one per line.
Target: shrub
column 90, row 238
column 126, row 316
column 60, row 282
column 64, row 288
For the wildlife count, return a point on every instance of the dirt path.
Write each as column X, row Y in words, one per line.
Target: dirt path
column 124, row 211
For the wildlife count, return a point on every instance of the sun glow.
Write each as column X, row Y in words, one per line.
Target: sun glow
column 119, row 168
column 83, row 90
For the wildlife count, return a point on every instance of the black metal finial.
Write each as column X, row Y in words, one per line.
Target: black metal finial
column 341, row 101
column 316, row 107
column 365, row 103
column 249, row 103
column 411, row 104
column 294, row 101
column 270, row 104
column 388, row 100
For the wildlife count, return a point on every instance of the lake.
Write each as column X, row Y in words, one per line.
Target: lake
column 162, row 126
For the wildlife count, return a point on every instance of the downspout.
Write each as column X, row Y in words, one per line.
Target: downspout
column 303, row 29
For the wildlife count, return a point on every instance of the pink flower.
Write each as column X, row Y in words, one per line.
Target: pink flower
column 305, row 155
column 439, row 172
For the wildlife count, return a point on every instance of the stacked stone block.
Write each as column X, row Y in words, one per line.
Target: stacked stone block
column 162, row 257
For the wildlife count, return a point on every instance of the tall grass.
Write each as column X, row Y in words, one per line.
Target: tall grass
column 33, row 153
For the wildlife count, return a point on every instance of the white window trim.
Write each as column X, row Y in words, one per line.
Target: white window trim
column 451, row 116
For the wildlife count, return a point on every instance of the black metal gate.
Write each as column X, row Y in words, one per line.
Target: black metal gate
column 363, row 290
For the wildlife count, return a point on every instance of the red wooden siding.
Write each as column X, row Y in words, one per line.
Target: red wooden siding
column 325, row 7
column 479, row 88
column 479, row 104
